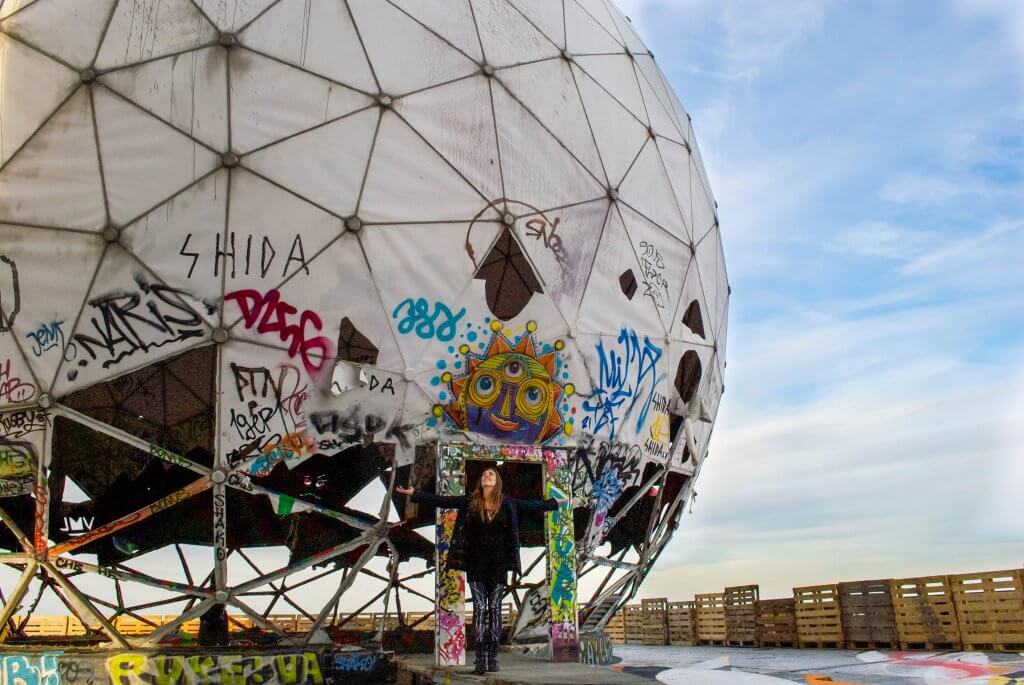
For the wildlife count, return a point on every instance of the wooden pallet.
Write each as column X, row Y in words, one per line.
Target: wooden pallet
column 634, row 624
column 682, row 623
column 711, row 618
column 741, row 615
column 924, row 612
column 776, row 622
column 615, row 629
column 989, row 609
column 655, row 621
column 818, row 615
column 867, row 612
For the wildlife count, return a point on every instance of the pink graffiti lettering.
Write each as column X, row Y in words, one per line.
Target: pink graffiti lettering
column 269, row 314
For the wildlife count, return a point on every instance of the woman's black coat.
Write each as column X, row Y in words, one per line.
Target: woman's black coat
column 511, row 506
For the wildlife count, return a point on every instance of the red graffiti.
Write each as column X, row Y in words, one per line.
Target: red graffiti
column 271, row 315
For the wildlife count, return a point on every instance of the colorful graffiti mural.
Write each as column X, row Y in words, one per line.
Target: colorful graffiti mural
column 511, row 391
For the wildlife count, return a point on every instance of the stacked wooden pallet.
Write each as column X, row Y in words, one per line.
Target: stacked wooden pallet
column 634, row 624
column 711, row 618
column 776, row 623
column 990, row 610
column 655, row 621
column 818, row 616
column 615, row 629
column 741, row 615
column 924, row 612
column 868, row 618
column 682, row 623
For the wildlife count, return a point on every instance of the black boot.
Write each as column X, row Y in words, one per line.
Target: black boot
column 492, row 657
column 481, row 659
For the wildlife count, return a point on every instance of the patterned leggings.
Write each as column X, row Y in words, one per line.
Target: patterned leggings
column 487, row 612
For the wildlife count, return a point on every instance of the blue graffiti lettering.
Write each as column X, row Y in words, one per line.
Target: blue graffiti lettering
column 628, row 377
column 47, row 337
column 418, row 319
column 31, row 669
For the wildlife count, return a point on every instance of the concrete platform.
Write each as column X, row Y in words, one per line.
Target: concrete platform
column 418, row 669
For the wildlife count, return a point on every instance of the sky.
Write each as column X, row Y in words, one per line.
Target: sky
column 867, row 162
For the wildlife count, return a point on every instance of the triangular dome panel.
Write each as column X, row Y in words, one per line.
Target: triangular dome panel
column 130, row 320
column 145, row 161
column 467, row 141
column 547, row 16
column 557, row 106
column 679, row 167
column 55, row 178
column 450, row 19
column 405, row 261
column 620, row 135
column 647, row 190
column 382, row 26
column 560, row 181
column 615, row 74
column 660, row 255
column 661, row 121
column 708, row 269
column 44, row 307
column 189, row 92
column 562, row 244
column 271, row 101
column 182, row 240
column 692, row 321
column 403, row 166
column 146, row 29
column 614, row 292
column 584, row 35
column 508, row 38
column 314, row 35
column 272, row 236
column 68, row 29
column 326, row 164
column 42, row 85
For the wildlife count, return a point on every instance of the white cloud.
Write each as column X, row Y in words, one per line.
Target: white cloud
column 883, row 239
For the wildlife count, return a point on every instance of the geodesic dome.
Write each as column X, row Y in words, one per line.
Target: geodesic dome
column 258, row 256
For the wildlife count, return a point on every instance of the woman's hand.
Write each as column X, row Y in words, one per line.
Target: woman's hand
column 404, row 491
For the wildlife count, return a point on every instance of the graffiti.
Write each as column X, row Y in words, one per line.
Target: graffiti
column 542, row 229
column 31, row 669
column 256, row 257
column 48, row 336
column 418, row 319
column 509, row 392
column 294, row 448
column 220, row 525
column 596, row 650
column 229, row 669
column 121, row 329
column 17, row 468
column 18, row 424
column 657, row 443
column 269, row 314
column 74, row 670
column 12, row 388
column 10, row 294
column 653, row 266
column 564, row 642
column 626, row 382
column 76, row 525
column 451, row 638
column 288, row 390
column 358, row 662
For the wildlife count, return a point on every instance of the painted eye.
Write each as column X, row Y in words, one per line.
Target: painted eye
column 514, row 370
column 484, row 389
column 532, row 399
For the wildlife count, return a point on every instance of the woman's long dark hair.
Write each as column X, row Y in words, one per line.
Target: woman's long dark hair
column 486, row 507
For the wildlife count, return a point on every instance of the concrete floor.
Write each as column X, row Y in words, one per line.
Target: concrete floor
column 741, row 666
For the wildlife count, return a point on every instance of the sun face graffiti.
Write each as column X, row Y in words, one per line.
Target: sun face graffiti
column 510, row 391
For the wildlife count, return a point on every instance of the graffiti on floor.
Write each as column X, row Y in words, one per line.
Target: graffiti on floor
column 672, row 665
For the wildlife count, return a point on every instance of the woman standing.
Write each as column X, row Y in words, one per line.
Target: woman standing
column 485, row 544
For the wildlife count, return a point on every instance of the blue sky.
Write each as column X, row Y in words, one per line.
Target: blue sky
column 866, row 158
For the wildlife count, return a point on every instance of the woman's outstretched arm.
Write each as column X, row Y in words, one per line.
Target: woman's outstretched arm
column 535, row 504
column 441, row 501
